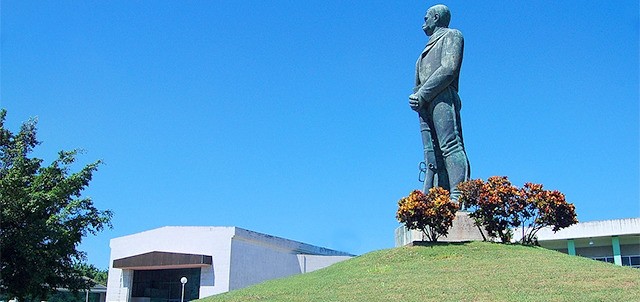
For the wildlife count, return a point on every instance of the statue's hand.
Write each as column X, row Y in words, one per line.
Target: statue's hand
column 414, row 103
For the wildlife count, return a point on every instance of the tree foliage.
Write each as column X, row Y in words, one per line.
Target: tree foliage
column 551, row 209
column 499, row 206
column 496, row 205
column 432, row 213
column 92, row 272
column 43, row 217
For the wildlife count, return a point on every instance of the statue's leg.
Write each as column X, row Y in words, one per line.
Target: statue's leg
column 458, row 107
column 431, row 176
column 441, row 173
column 447, row 125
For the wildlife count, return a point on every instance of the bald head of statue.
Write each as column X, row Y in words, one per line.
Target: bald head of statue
column 436, row 16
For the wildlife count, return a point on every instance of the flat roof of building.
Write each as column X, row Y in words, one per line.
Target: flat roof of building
column 246, row 235
column 601, row 228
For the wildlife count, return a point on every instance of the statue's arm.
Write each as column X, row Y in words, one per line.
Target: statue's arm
column 414, row 103
column 417, row 85
column 451, row 60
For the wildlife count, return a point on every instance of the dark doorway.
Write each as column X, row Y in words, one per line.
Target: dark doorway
column 164, row 285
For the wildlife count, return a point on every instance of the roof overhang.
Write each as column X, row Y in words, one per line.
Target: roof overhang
column 162, row 260
column 589, row 242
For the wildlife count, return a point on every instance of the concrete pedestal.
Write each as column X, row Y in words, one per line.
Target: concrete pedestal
column 463, row 229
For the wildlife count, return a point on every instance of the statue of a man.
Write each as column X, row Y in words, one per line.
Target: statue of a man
column 435, row 98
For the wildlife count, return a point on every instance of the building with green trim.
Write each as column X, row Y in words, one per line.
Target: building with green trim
column 615, row 241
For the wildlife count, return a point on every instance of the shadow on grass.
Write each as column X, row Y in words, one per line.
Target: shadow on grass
column 462, row 243
column 437, row 243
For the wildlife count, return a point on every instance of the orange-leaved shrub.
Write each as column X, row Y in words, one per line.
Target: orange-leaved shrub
column 551, row 209
column 430, row 213
column 498, row 206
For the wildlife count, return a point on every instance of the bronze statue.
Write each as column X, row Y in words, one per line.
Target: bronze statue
column 435, row 98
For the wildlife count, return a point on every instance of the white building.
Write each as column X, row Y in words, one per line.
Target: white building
column 148, row 266
column 616, row 241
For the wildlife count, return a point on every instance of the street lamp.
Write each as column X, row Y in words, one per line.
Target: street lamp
column 183, row 280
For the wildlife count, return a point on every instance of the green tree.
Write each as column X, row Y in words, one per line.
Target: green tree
column 96, row 274
column 43, row 217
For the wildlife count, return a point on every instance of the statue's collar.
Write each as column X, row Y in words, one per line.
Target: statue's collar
column 440, row 31
column 435, row 37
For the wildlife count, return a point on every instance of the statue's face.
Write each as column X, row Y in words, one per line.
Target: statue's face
column 429, row 25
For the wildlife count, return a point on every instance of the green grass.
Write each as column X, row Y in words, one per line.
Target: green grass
column 476, row 271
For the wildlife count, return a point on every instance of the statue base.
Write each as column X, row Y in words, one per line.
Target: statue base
column 462, row 230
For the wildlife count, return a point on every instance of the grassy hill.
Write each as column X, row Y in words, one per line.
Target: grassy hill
column 476, row 271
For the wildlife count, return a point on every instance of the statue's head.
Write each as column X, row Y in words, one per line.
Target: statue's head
column 436, row 16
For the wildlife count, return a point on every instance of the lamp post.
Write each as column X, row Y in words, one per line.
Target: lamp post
column 183, row 280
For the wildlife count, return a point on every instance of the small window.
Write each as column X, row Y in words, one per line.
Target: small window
column 635, row 260
column 626, row 261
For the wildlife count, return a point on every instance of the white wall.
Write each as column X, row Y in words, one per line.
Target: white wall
column 119, row 284
column 213, row 241
column 258, row 257
column 310, row 263
column 252, row 263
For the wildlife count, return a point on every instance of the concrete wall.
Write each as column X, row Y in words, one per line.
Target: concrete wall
column 119, row 284
column 208, row 281
column 310, row 263
column 256, row 259
column 253, row 262
column 462, row 229
column 286, row 244
column 213, row 241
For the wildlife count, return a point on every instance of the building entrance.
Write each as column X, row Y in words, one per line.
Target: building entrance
column 164, row 285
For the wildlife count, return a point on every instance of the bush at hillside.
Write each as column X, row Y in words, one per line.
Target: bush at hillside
column 432, row 214
column 498, row 206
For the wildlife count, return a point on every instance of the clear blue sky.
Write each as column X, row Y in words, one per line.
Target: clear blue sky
column 291, row 117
